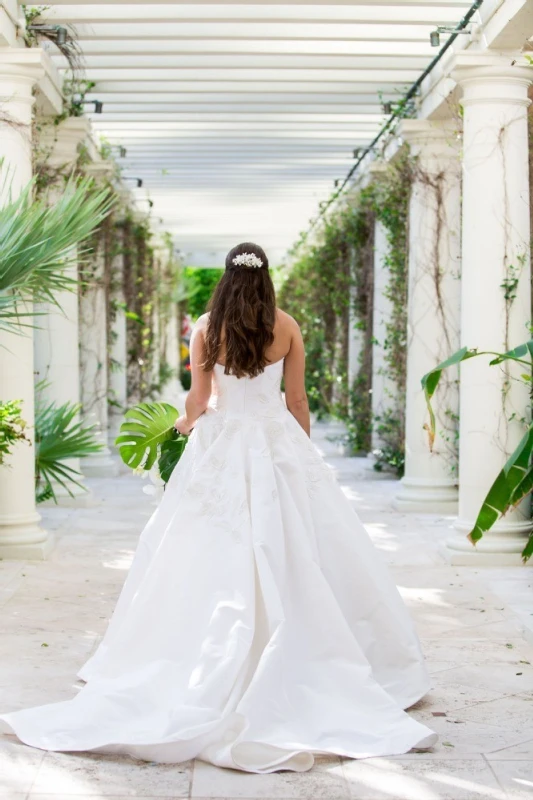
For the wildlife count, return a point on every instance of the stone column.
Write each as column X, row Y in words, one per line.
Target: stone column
column 56, row 344
column 173, row 391
column 118, row 390
column 383, row 388
column 94, row 355
column 495, row 294
column 21, row 536
column 430, row 482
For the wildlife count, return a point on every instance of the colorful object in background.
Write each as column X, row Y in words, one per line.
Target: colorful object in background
column 148, row 439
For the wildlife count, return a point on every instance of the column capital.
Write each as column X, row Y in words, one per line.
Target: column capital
column 436, row 136
column 99, row 169
column 29, row 67
column 377, row 169
column 488, row 78
column 63, row 141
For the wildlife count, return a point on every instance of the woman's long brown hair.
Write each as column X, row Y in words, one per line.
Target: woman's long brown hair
column 242, row 316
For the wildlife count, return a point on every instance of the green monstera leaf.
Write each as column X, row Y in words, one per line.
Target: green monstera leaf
column 144, row 430
column 171, row 452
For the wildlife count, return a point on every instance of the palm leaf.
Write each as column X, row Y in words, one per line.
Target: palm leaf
column 517, row 354
column 145, row 428
column 431, row 379
column 59, row 436
column 37, row 244
column 512, row 484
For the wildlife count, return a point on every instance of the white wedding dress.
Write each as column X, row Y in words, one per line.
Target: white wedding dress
column 257, row 625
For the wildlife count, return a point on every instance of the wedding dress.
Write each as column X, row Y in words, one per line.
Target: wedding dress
column 258, row 625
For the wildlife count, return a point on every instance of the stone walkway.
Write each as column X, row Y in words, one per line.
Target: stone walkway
column 476, row 626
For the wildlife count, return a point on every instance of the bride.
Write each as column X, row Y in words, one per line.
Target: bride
column 258, row 625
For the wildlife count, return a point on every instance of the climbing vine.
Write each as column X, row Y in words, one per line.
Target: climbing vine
column 329, row 287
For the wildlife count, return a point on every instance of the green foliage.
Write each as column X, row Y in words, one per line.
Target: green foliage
column 316, row 292
column 185, row 379
column 171, row 452
column 148, row 435
column 199, row 285
column 391, row 453
column 36, row 242
column 11, row 427
column 515, row 480
column 59, row 436
column 330, row 287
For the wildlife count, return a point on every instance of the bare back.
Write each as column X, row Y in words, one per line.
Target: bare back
column 287, row 345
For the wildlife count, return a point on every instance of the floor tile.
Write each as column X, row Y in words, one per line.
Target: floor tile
column 89, row 774
column 324, row 782
column 515, row 776
column 19, row 766
column 426, row 779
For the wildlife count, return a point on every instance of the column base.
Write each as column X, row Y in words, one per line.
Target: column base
column 500, row 547
column 427, row 496
column 24, row 539
column 101, row 465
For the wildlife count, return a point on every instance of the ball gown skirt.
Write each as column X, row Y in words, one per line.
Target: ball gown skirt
column 257, row 625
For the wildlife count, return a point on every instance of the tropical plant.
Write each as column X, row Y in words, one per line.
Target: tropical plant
column 11, row 427
column 60, row 435
column 199, row 285
column 515, row 479
column 148, row 435
column 36, row 245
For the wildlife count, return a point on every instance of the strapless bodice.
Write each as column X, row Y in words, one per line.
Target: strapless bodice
column 252, row 397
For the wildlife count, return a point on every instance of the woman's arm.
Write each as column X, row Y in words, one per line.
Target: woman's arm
column 200, row 392
column 294, row 374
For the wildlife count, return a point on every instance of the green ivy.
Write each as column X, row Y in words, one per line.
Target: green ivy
column 329, row 287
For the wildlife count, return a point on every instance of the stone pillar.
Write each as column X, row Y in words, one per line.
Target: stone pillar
column 21, row 536
column 94, row 355
column 118, row 390
column 173, row 391
column 495, row 294
column 383, row 388
column 56, row 344
column 430, row 482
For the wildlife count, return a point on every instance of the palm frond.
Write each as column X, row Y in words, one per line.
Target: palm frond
column 59, row 436
column 37, row 241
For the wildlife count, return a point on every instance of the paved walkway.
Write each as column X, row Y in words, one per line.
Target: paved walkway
column 477, row 632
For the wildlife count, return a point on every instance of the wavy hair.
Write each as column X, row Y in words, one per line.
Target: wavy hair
column 242, row 315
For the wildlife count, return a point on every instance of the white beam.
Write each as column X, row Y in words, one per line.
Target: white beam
column 423, row 14
column 288, row 31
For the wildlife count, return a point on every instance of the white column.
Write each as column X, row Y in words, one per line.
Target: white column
column 496, row 264
column 118, row 390
column 173, row 391
column 94, row 355
column 20, row 533
column 383, row 388
column 430, row 482
column 56, row 345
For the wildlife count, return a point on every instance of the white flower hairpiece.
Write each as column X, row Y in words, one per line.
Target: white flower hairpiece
column 247, row 260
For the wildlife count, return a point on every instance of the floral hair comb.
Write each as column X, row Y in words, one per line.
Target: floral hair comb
column 247, row 260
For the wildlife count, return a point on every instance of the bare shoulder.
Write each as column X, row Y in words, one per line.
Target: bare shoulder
column 286, row 321
column 201, row 322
